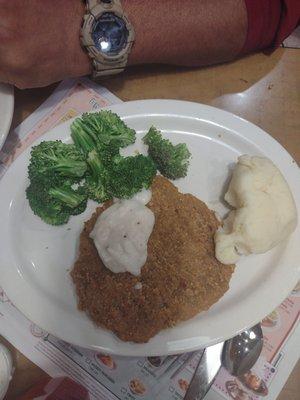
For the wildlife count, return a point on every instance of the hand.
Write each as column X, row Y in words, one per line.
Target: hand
column 39, row 42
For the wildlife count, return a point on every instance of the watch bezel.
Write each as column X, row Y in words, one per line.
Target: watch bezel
column 89, row 20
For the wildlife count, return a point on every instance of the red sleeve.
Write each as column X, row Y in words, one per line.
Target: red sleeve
column 270, row 22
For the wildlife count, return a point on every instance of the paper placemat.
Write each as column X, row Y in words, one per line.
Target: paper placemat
column 155, row 378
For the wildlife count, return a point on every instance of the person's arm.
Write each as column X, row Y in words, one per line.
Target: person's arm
column 39, row 39
column 189, row 32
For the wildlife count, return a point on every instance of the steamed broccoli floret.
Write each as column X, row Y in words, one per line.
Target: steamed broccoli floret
column 103, row 128
column 55, row 205
column 54, row 159
column 122, row 178
column 85, row 143
column 51, row 211
column 172, row 161
column 97, row 181
column 107, row 153
column 97, row 190
column 54, row 167
column 129, row 175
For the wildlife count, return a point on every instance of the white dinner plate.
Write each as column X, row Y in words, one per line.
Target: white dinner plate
column 6, row 110
column 36, row 258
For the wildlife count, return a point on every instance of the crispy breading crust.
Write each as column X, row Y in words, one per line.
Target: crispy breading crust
column 181, row 277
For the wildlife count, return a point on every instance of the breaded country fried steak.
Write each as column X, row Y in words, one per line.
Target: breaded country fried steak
column 181, row 276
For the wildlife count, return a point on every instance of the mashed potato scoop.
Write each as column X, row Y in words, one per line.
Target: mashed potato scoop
column 264, row 210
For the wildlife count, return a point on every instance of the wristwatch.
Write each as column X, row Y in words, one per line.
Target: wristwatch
column 107, row 35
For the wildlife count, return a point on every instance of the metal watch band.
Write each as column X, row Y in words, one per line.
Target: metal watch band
column 101, row 64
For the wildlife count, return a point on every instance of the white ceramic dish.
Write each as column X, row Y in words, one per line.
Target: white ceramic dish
column 6, row 110
column 36, row 258
column 6, row 370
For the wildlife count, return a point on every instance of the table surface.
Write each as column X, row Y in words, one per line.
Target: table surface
column 264, row 89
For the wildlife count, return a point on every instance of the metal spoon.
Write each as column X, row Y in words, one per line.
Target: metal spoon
column 241, row 352
column 237, row 355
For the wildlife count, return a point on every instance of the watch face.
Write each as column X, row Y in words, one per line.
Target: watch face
column 110, row 34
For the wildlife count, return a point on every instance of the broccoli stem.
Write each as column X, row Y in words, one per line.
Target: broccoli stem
column 81, row 138
column 70, row 167
column 94, row 122
column 67, row 196
column 95, row 163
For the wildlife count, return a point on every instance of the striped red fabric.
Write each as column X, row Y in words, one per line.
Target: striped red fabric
column 270, row 22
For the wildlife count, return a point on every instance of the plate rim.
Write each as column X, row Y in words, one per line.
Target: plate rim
column 172, row 105
column 10, row 102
